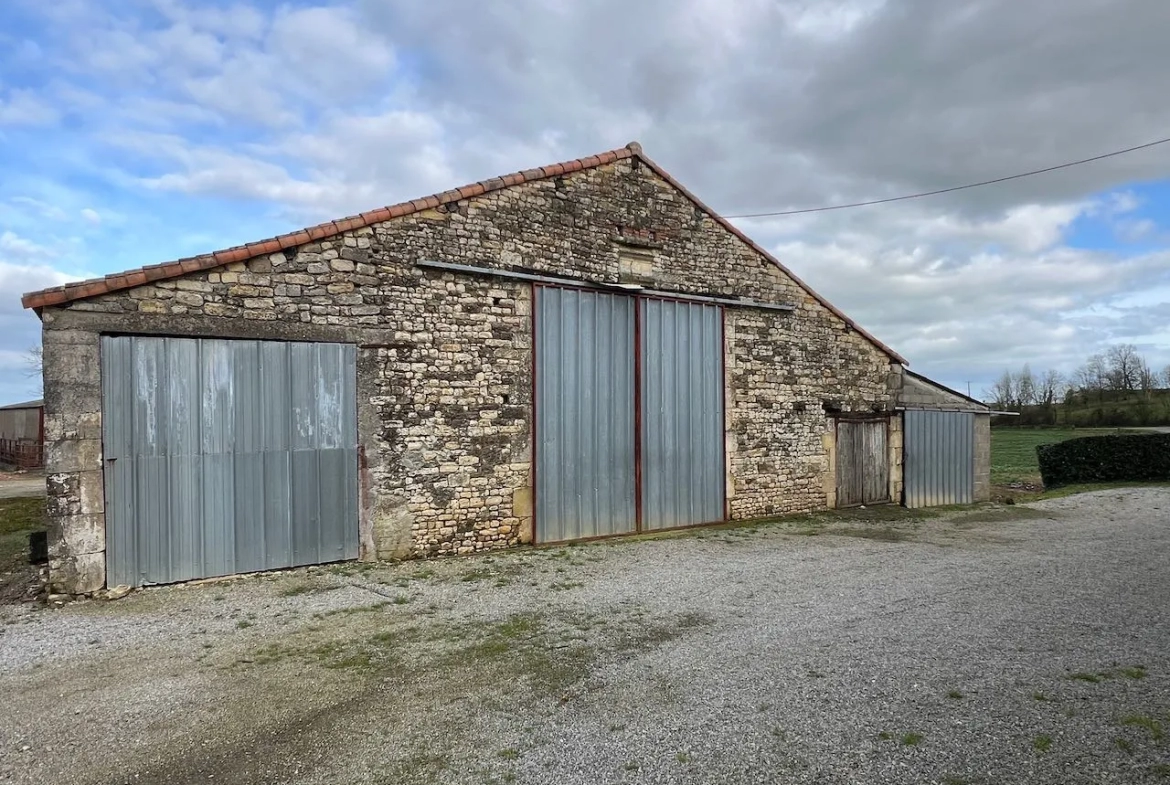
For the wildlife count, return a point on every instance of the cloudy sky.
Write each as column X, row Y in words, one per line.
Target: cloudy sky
column 140, row 131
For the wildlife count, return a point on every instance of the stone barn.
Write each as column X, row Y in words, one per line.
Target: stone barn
column 576, row 351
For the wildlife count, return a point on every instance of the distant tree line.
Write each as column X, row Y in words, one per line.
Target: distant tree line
column 1114, row 388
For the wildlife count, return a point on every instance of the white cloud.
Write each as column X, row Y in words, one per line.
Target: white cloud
column 91, row 215
column 23, row 107
column 316, row 111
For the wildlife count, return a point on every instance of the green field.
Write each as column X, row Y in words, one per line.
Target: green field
column 1013, row 450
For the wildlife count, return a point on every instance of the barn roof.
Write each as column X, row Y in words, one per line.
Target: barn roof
column 80, row 290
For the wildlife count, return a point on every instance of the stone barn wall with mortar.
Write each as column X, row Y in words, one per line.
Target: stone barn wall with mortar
column 444, row 363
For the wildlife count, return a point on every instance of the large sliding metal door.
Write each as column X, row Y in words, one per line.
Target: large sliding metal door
column 609, row 417
column 938, row 458
column 683, row 479
column 584, row 414
column 227, row 456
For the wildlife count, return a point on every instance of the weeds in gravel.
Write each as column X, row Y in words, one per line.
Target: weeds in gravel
column 1134, row 672
column 911, row 739
column 780, row 733
column 955, row 695
column 1123, row 745
column 1161, row 770
column 1151, row 725
column 885, row 735
column 682, row 757
column 617, row 727
column 1042, row 743
column 1092, row 678
column 296, row 590
column 1039, row 696
column 632, row 765
column 402, row 599
column 508, row 754
column 243, row 624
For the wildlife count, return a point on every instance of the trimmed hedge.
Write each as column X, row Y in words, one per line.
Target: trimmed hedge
column 1111, row 458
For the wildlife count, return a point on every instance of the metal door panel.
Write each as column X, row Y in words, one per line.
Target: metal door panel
column 584, row 414
column 683, row 474
column 939, row 458
column 210, row 446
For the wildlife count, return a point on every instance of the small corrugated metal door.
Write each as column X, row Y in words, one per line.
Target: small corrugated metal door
column 225, row 456
column 683, row 479
column 584, row 414
column 938, row 458
column 863, row 462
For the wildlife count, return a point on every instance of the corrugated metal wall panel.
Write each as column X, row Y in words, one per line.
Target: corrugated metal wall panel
column 939, row 458
column 683, row 478
column 210, row 447
column 584, row 414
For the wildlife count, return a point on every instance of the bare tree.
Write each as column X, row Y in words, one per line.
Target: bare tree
column 1166, row 377
column 1124, row 367
column 34, row 360
column 1092, row 376
column 1026, row 386
column 1050, row 388
column 1004, row 392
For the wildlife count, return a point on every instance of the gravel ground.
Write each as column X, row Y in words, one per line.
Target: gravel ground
column 1003, row 644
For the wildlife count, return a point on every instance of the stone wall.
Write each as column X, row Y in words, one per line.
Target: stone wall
column 982, row 489
column 444, row 368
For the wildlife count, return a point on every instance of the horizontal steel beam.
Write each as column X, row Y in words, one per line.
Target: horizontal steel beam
column 612, row 287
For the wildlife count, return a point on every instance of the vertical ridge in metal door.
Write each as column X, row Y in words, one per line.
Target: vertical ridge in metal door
column 584, row 414
column 683, row 478
column 939, row 457
column 227, row 456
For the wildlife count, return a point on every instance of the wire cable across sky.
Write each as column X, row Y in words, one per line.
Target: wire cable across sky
column 953, row 188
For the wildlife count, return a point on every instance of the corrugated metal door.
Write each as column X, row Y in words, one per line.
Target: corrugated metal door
column 584, row 414
column 227, row 456
column 938, row 458
column 863, row 462
column 683, row 478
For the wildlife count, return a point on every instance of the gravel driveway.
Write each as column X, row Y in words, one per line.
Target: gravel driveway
column 1014, row 644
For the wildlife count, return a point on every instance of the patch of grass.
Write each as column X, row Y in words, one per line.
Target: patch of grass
column 1151, row 725
column 1042, row 743
column 882, row 534
column 1039, row 696
column 477, row 574
column 508, row 754
column 1091, row 678
column 1134, row 672
column 402, row 599
column 631, row 765
column 18, row 519
column 885, row 735
column 911, row 739
column 779, row 733
column 296, row 590
column 1160, row 770
column 1123, row 745
column 955, row 695
column 566, row 585
column 617, row 727
column 372, row 608
column 682, row 757
column 1013, row 450
column 243, row 624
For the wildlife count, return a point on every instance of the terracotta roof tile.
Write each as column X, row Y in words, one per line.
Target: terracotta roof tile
column 82, row 289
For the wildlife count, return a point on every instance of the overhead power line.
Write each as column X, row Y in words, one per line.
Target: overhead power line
column 953, row 188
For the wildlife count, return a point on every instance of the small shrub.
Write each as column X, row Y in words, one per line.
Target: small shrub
column 1110, row 458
